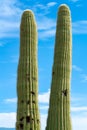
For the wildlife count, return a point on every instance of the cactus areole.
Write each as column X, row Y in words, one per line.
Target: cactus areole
column 27, row 79
column 59, row 104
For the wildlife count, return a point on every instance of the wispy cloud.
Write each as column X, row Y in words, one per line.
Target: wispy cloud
column 47, row 34
column 82, row 75
column 80, row 27
column 2, row 44
column 50, row 4
column 84, row 78
column 73, row 109
column 48, row 30
column 45, row 29
column 9, row 8
column 12, row 59
column 76, row 68
column 73, row 0
column 78, row 109
column 44, row 6
column 10, row 15
column 11, row 100
column 45, row 107
column 43, row 24
column 78, row 98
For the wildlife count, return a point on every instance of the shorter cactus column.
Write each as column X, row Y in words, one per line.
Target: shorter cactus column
column 27, row 81
column 59, row 105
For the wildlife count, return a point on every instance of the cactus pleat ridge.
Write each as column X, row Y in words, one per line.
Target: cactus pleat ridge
column 28, row 117
column 59, row 104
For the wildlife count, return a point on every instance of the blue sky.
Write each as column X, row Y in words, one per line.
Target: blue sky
column 46, row 15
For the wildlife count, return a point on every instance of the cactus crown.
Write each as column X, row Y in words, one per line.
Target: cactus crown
column 64, row 10
column 27, row 13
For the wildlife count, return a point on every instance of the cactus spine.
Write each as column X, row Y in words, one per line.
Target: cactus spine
column 59, row 106
column 27, row 80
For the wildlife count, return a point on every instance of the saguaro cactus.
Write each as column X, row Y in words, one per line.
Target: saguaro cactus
column 27, row 80
column 59, row 106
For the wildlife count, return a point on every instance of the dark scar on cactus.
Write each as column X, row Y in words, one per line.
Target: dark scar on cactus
column 33, row 102
column 28, row 102
column 53, row 72
column 33, row 92
column 64, row 92
column 21, row 119
column 37, row 120
column 22, row 101
column 28, row 119
column 21, row 126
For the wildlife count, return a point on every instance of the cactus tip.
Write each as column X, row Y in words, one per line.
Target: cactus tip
column 63, row 8
column 28, row 13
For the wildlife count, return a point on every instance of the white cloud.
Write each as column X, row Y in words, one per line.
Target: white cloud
column 50, row 4
column 7, row 120
column 44, row 7
column 46, row 27
column 47, row 34
column 79, row 122
column 76, row 68
column 8, row 8
column 9, row 18
column 45, row 23
column 77, row 98
column 8, row 25
column 78, row 109
column 43, row 121
column 10, row 14
column 80, row 27
column 44, row 98
column 8, row 28
column 78, row 115
column 11, row 100
column 45, row 107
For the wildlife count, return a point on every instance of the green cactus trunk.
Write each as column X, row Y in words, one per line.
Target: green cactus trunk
column 27, row 80
column 59, row 105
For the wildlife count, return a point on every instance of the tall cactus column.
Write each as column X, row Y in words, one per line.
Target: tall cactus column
column 27, row 80
column 59, row 105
